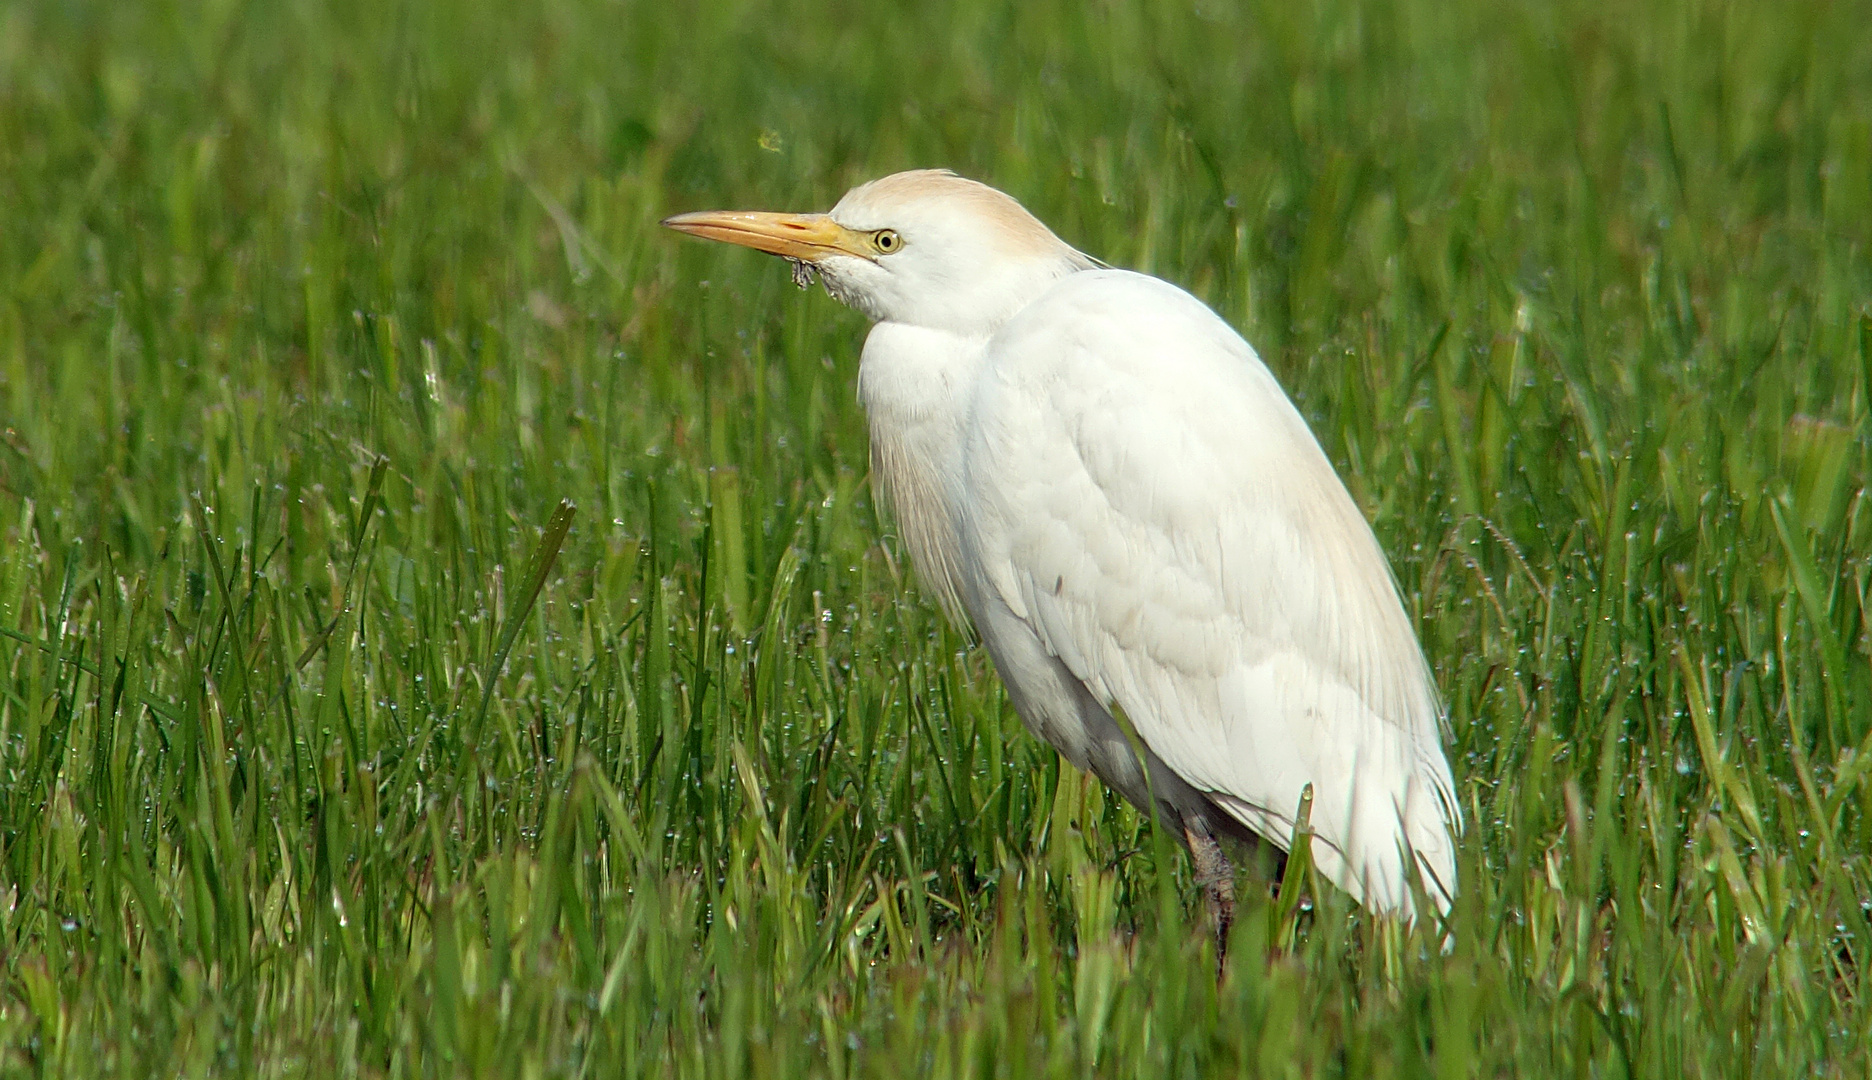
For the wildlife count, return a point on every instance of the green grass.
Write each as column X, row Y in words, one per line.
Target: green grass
column 311, row 314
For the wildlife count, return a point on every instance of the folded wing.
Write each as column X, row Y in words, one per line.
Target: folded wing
column 1154, row 507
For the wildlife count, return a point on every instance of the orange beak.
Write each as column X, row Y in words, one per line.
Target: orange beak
column 804, row 238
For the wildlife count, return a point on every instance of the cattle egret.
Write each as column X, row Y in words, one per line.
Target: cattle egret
column 1096, row 473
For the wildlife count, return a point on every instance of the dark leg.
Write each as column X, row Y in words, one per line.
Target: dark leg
column 1216, row 878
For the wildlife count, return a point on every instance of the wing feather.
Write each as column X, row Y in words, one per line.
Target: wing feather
column 1151, row 504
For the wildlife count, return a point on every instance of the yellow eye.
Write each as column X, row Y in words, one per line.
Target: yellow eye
column 886, row 241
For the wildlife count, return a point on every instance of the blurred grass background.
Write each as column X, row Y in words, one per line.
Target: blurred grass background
column 315, row 761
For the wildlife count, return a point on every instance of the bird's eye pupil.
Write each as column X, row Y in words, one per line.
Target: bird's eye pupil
column 886, row 241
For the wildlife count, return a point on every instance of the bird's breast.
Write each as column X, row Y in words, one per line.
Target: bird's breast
column 914, row 385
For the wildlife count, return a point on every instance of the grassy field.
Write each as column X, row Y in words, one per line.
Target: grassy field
column 331, row 746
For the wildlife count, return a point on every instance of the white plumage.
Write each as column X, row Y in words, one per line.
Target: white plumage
column 1100, row 475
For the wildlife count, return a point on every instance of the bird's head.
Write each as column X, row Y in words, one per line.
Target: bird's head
column 928, row 248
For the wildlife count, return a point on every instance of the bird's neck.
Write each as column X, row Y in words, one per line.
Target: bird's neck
column 977, row 300
column 912, row 377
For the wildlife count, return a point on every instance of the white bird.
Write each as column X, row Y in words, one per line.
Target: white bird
column 1100, row 476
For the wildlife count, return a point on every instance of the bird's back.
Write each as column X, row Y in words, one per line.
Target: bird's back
column 1141, row 494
